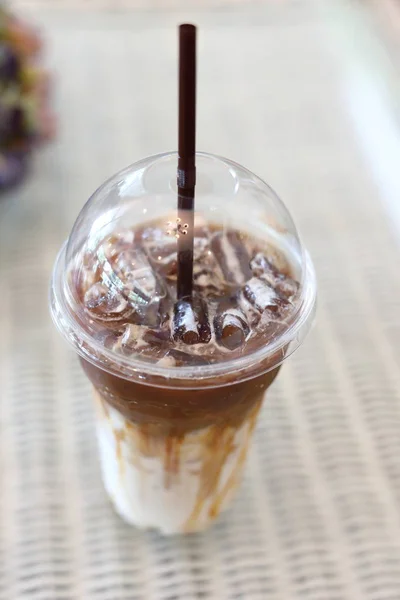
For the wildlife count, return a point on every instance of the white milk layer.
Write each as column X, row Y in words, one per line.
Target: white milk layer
column 173, row 484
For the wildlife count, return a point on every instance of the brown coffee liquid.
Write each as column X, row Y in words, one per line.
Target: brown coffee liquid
column 243, row 297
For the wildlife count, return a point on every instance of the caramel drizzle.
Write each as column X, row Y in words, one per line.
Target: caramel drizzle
column 172, row 456
column 219, row 446
column 217, row 443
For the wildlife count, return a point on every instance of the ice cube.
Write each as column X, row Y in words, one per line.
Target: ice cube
column 161, row 249
column 260, row 265
column 136, row 275
column 263, row 296
column 207, row 275
column 108, row 339
column 201, row 312
column 163, row 256
column 138, row 339
column 177, row 358
column 103, row 304
column 157, row 337
column 132, row 275
column 84, row 274
column 190, row 322
column 131, row 338
column 230, row 251
column 263, row 267
column 253, row 316
column 231, row 327
column 117, row 242
column 184, row 323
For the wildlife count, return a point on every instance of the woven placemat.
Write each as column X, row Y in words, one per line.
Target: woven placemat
column 318, row 515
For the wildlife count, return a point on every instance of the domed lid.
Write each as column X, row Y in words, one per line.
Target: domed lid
column 114, row 285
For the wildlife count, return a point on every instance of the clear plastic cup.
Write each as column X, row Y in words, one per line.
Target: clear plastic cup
column 173, row 438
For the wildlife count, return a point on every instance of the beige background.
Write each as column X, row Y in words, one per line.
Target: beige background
column 307, row 100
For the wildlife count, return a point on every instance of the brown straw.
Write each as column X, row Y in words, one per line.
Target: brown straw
column 186, row 158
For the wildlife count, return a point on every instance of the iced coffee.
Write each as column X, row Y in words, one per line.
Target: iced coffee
column 179, row 382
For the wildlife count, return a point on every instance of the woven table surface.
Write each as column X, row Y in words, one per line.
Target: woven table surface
column 318, row 515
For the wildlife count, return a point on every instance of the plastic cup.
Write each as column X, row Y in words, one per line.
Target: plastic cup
column 173, row 440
